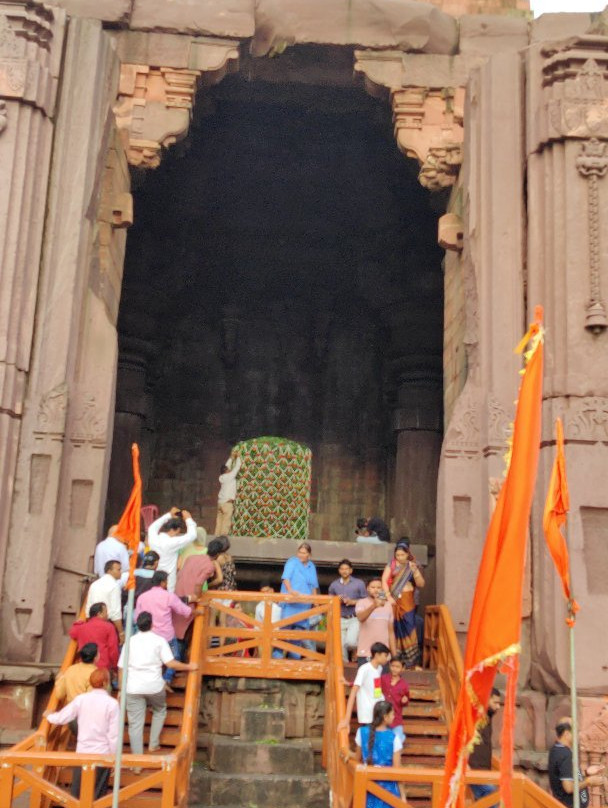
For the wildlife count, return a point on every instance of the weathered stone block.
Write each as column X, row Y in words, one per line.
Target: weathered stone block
column 211, row 788
column 260, row 724
column 233, row 18
column 108, row 11
column 260, row 757
column 389, row 23
column 558, row 26
column 490, row 34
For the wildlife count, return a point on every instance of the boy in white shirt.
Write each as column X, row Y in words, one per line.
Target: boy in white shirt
column 367, row 689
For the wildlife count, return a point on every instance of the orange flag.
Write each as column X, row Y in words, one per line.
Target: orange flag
column 494, row 628
column 557, row 506
column 128, row 529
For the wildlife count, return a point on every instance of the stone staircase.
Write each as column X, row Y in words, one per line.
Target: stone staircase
column 425, row 727
column 259, row 768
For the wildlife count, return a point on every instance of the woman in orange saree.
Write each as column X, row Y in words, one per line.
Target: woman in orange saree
column 399, row 581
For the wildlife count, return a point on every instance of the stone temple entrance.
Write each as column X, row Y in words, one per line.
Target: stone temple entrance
column 283, row 277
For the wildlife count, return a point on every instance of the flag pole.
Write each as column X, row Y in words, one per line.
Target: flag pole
column 123, row 696
column 575, row 764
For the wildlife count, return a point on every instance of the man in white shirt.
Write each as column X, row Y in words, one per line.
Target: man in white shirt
column 145, row 684
column 107, row 590
column 367, row 688
column 226, row 496
column 110, row 549
column 167, row 536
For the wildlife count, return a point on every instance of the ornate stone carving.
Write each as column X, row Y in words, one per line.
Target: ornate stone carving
column 155, row 103
column 582, row 108
column 88, row 426
column 498, row 424
column 26, row 35
column 428, row 127
column 52, row 411
column 587, row 420
column 462, row 438
column 592, row 164
column 428, row 120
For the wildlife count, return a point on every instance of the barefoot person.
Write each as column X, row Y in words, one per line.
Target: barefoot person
column 226, row 496
column 96, row 713
column 145, row 684
column 399, row 581
column 378, row 745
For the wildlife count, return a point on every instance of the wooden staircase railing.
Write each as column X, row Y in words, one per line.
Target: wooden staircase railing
column 34, row 764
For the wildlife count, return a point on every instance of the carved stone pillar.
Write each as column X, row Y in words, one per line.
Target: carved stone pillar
column 31, row 38
column 487, row 278
column 568, row 272
column 417, row 422
column 132, row 412
column 62, row 464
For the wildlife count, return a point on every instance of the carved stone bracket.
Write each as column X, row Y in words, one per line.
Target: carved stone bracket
column 592, row 164
column 429, row 127
column 155, row 104
column 428, row 120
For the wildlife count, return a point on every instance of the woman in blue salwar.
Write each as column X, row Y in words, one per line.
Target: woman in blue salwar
column 299, row 578
column 377, row 745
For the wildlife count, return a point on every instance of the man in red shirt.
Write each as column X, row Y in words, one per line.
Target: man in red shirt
column 99, row 630
column 396, row 691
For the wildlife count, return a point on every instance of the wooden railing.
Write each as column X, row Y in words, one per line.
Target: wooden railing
column 441, row 652
column 34, row 765
column 247, row 649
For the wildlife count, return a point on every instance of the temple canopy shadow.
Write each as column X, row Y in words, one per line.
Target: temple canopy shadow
column 283, row 278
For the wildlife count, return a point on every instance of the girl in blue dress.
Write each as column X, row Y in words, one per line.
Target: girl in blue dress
column 299, row 577
column 377, row 745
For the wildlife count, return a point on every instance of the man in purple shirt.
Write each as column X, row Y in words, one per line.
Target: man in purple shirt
column 349, row 590
column 162, row 604
column 97, row 715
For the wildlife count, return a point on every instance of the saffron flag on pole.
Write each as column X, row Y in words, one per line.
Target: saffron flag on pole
column 557, row 506
column 495, row 623
column 128, row 529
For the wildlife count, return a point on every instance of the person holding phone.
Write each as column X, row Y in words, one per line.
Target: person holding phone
column 399, row 581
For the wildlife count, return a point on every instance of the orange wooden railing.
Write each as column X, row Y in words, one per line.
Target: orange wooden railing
column 34, row 764
column 441, row 652
column 246, row 650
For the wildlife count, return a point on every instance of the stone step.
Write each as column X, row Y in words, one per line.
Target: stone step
column 219, row 789
column 425, row 728
column 426, row 746
column 263, row 723
column 425, row 710
column 260, row 757
column 418, row 693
